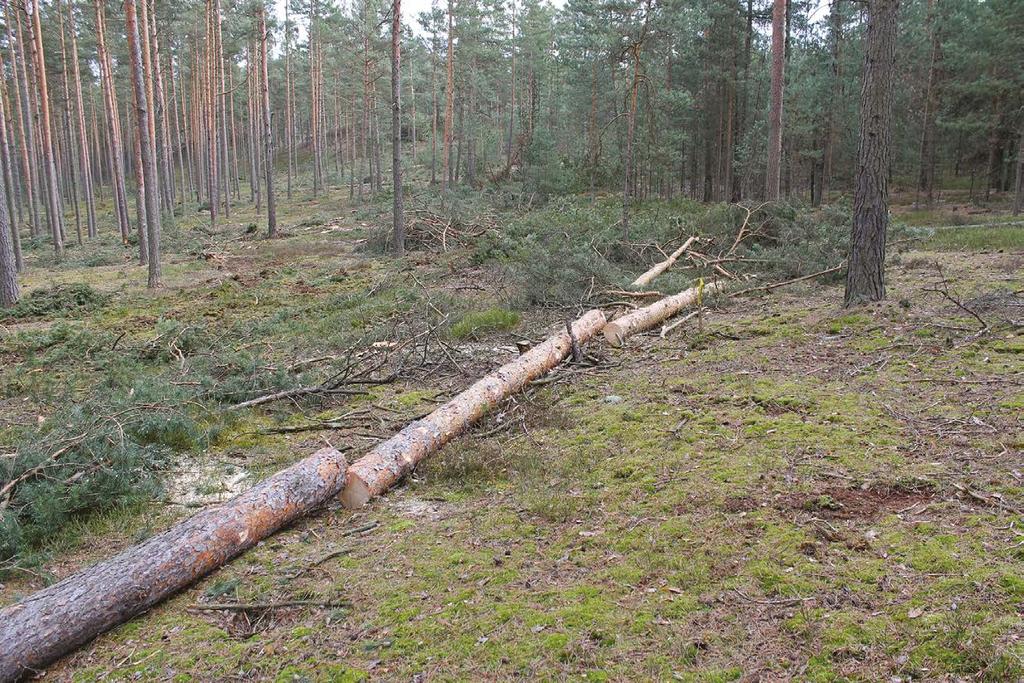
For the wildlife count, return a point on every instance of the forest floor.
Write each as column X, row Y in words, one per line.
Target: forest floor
column 784, row 490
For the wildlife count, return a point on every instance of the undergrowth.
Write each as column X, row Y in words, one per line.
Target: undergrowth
column 555, row 255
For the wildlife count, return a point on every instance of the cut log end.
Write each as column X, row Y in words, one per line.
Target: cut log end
column 356, row 493
column 614, row 334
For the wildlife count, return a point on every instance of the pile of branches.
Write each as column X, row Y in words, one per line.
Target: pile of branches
column 432, row 231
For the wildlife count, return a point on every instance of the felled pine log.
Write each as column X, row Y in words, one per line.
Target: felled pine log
column 649, row 317
column 391, row 460
column 68, row 614
column 58, row 619
column 659, row 268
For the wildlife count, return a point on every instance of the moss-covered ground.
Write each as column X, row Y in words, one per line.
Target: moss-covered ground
column 788, row 491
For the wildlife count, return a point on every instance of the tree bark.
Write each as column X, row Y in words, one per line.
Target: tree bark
column 774, row 172
column 865, row 278
column 58, row 619
column 398, row 217
column 146, row 135
column 9, row 292
column 382, row 467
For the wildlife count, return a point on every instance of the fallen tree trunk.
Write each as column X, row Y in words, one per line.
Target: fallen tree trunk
column 660, row 268
column 58, row 619
column 650, row 316
column 391, row 460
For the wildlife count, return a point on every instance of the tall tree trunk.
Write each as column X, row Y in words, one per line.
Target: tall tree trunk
column 72, row 160
column 8, row 180
column 145, row 130
column 1018, row 199
column 835, row 22
column 398, row 219
column 627, row 179
column 926, row 170
column 9, row 292
column 56, row 210
column 774, row 171
column 449, row 104
column 85, row 160
column 26, row 127
column 289, row 126
column 433, row 114
column 114, row 136
column 209, row 96
column 865, row 277
column 268, row 133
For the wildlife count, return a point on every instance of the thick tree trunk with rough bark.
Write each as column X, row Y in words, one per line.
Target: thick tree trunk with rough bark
column 865, row 277
column 773, row 176
column 381, row 468
column 58, row 619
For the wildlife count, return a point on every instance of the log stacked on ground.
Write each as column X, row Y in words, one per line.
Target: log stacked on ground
column 391, row 460
column 650, row 316
column 659, row 268
column 58, row 619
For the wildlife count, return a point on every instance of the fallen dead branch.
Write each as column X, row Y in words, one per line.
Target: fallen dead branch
column 382, row 467
column 60, row 618
column 660, row 268
column 802, row 278
column 665, row 329
column 650, row 316
column 264, row 606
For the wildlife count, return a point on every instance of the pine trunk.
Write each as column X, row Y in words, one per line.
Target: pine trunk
column 268, row 134
column 141, row 81
column 865, row 278
column 774, row 172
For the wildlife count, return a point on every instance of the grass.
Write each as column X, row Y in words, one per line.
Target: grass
column 1008, row 238
column 478, row 323
column 770, row 496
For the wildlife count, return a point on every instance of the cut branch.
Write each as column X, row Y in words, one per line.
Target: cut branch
column 660, row 268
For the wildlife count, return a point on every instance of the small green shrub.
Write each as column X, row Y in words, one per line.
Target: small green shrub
column 476, row 324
